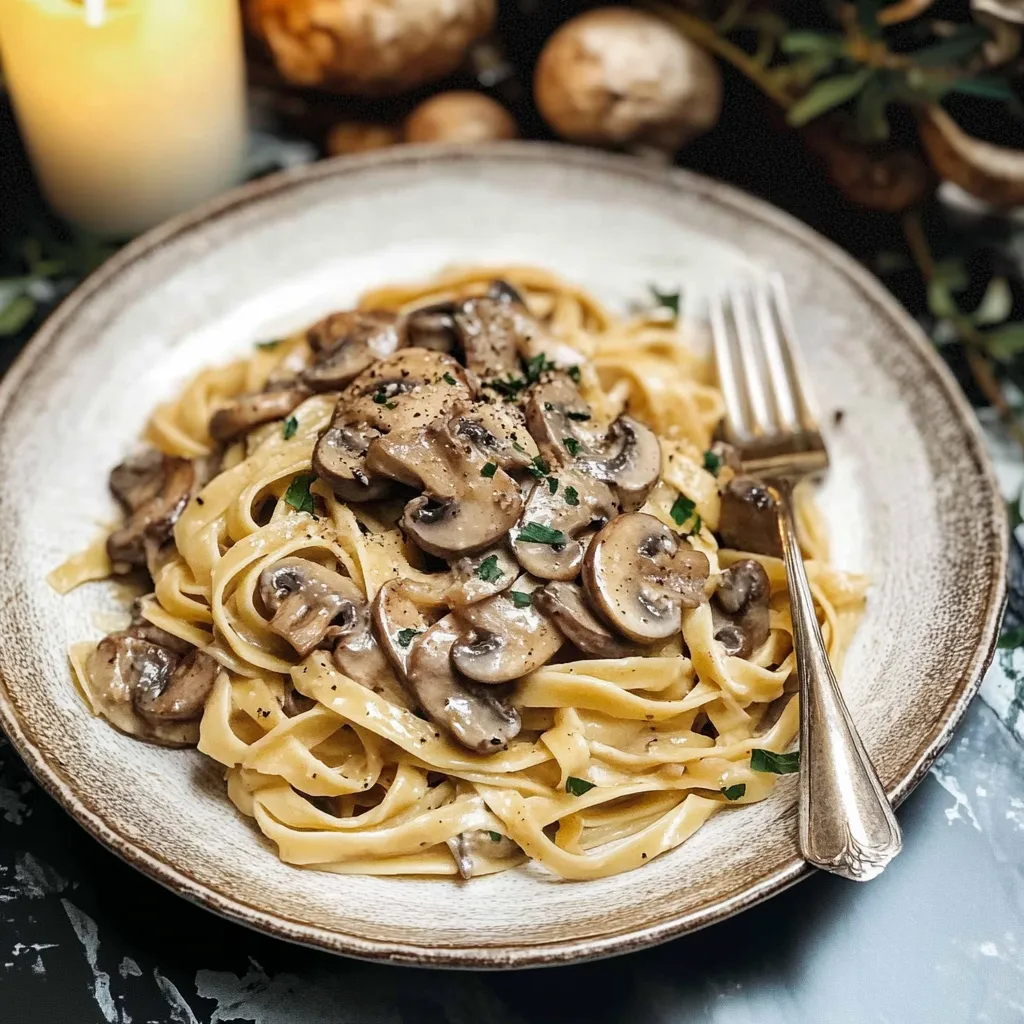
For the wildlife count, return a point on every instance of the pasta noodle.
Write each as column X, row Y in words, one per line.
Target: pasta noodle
column 618, row 759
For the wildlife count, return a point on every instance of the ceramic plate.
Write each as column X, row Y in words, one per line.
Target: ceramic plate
column 911, row 500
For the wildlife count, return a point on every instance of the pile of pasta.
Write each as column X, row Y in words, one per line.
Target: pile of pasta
column 617, row 762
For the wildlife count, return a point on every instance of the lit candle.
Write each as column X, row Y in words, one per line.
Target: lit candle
column 131, row 110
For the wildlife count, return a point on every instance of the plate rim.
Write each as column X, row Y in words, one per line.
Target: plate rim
column 521, row 954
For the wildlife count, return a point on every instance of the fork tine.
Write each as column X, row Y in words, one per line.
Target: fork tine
column 756, row 393
column 792, row 358
column 786, row 402
column 737, row 429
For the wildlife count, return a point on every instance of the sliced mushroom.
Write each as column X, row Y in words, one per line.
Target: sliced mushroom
column 348, row 343
column 138, row 479
column 532, row 337
column 640, row 576
column 248, row 411
column 629, row 460
column 148, row 690
column 565, row 604
column 739, row 608
column 579, row 504
column 305, row 599
column 477, row 577
column 463, row 509
column 499, row 433
column 161, row 499
column 179, row 695
column 555, row 411
column 748, row 520
column 432, row 327
column 481, row 721
column 358, row 655
column 489, row 331
column 339, row 459
column 507, row 638
column 468, row 847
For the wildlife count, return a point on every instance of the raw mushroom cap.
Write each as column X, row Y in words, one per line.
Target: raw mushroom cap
column 503, row 641
column 640, row 576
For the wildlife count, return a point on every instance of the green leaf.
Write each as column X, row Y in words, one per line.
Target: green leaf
column 290, row 426
column 1012, row 638
column 571, row 496
column 940, row 300
column 995, row 305
column 665, row 300
column 574, row 373
column 712, row 462
column 799, row 41
column 1005, row 342
column 448, row 378
column 867, row 17
column 682, row 510
column 519, row 599
column 952, row 50
column 268, row 346
column 775, row 764
column 488, row 569
column 406, row 636
column 953, row 273
column 489, row 470
column 872, row 103
column 539, row 468
column 536, row 366
column 734, row 792
column 1013, row 512
column 577, row 787
column 16, row 314
column 495, row 837
column 826, row 95
column 538, row 533
column 986, row 88
column 572, row 446
column 298, row 495
column 552, row 484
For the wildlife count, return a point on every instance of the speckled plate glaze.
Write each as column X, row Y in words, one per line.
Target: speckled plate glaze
column 911, row 500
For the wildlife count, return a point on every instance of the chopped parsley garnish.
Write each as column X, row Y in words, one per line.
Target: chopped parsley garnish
column 448, row 379
column 290, row 426
column 489, row 470
column 381, row 397
column 298, row 495
column 509, row 387
column 666, row 300
column 518, row 447
column 390, row 405
column 712, row 462
column 269, row 346
column 406, row 636
column 519, row 599
column 538, row 533
column 552, row 484
column 577, row 787
column 734, row 792
column 697, row 524
column 775, row 764
column 682, row 509
column 488, row 569
column 574, row 372
column 572, row 496
column 536, row 366
column 539, row 468
column 580, row 417
column 572, row 446
column 495, row 837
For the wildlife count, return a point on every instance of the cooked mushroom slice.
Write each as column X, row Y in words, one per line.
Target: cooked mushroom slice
column 480, row 576
column 138, row 479
column 507, row 637
column 629, row 460
column 347, row 344
column 748, row 521
column 152, row 520
column 532, row 337
column 177, row 696
column 463, row 509
column 739, row 608
column 547, row 539
column 566, row 605
column 358, row 655
column 555, row 411
column 148, row 690
column 432, row 327
column 339, row 459
column 489, row 331
column 249, row 411
column 397, row 621
column 467, row 847
column 499, row 433
column 640, row 576
column 480, row 720
column 305, row 598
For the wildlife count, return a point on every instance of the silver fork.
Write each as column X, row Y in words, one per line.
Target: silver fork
column 846, row 823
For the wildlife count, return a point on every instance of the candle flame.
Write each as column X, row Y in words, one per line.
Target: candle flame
column 94, row 12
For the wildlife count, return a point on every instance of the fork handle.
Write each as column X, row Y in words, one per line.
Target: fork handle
column 847, row 825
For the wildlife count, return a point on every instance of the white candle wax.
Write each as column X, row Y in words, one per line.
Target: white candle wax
column 131, row 110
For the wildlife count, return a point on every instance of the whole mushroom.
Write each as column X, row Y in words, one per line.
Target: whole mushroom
column 368, row 47
column 620, row 76
column 459, row 116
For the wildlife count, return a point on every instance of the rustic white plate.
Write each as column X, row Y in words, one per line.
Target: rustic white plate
column 911, row 501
